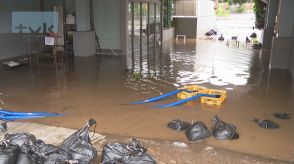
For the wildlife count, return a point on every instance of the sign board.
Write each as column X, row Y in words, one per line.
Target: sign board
column 49, row 41
column 34, row 22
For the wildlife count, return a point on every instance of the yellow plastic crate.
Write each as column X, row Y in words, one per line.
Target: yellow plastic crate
column 193, row 90
column 222, row 95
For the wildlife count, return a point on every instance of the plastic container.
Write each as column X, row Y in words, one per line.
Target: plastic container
column 221, row 96
column 190, row 91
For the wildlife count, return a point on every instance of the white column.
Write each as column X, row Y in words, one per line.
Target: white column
column 83, row 39
column 83, row 15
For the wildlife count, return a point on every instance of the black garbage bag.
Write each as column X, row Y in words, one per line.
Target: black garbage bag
column 8, row 152
column 79, row 144
column 138, row 158
column 211, row 32
column 197, row 131
column 234, row 37
column 39, row 152
column 283, row 116
column 133, row 153
column 267, row 124
column 253, row 35
column 113, row 153
column 20, row 138
column 222, row 130
column 178, row 125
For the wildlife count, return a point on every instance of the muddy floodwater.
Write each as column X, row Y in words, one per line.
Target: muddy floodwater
column 103, row 88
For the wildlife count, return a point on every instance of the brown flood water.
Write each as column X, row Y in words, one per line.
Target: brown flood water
column 102, row 89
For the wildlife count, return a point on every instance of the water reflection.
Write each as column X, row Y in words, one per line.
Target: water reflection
column 202, row 63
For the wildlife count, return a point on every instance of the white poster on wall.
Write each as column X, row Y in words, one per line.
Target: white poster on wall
column 49, row 41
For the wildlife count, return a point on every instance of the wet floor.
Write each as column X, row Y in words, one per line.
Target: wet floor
column 102, row 88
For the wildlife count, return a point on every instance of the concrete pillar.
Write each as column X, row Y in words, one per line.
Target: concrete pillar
column 124, row 26
column 124, row 32
column 282, row 52
column 83, row 39
column 272, row 10
column 83, row 15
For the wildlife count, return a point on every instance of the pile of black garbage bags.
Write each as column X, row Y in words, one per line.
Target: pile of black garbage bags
column 198, row 130
column 24, row 148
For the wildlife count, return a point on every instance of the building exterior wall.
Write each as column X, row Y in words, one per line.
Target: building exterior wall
column 282, row 56
column 286, row 19
column 291, row 64
column 185, row 8
column 186, row 26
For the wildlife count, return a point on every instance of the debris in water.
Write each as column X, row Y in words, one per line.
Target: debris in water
column 222, row 130
column 197, row 131
column 283, row 116
column 178, row 125
column 180, row 144
column 267, row 124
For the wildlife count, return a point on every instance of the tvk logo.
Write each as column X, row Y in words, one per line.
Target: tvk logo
column 40, row 29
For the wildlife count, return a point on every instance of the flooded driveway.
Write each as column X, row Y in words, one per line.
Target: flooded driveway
column 102, row 88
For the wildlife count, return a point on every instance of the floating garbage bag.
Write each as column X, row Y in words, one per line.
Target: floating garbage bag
column 197, row 131
column 8, row 153
column 79, row 144
column 253, row 35
column 222, row 130
column 283, row 116
column 20, row 138
column 267, row 124
column 178, row 125
column 133, row 153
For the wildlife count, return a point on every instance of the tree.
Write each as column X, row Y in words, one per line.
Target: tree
column 238, row 1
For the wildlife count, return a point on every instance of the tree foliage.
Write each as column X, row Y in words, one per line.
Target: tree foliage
column 240, row 2
column 260, row 12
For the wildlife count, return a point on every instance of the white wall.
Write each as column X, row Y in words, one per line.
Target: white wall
column 291, row 63
column 205, row 8
column 8, row 6
column 206, row 19
column 107, row 21
column 286, row 19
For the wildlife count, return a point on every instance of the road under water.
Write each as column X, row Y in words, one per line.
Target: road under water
column 102, row 88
